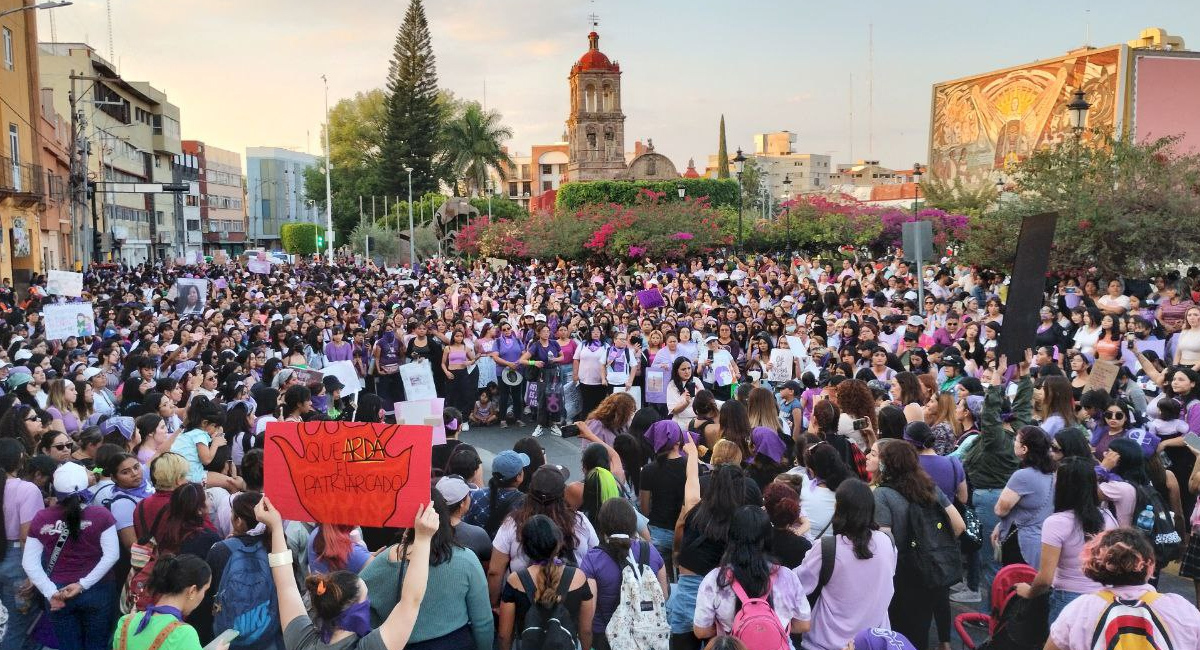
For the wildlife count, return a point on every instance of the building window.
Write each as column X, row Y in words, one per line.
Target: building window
column 512, row 189
column 9, row 63
column 159, row 217
column 547, row 170
column 547, row 186
column 14, row 152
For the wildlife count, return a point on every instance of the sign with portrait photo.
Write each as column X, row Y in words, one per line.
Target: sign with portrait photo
column 64, row 283
column 190, row 295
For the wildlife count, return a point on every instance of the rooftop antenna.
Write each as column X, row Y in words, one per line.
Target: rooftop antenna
column 108, row 12
column 1087, row 25
column 53, row 28
column 870, row 89
column 851, row 117
column 594, row 20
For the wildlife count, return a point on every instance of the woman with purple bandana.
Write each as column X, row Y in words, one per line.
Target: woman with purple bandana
column 180, row 582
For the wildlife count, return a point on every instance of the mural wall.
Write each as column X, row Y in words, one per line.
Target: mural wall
column 987, row 122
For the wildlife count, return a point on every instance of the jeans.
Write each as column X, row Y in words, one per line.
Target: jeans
column 681, row 604
column 664, row 541
column 564, row 378
column 391, row 390
column 12, row 576
column 85, row 622
column 1058, row 600
column 985, row 509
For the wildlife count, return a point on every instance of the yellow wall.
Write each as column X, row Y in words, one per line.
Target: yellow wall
column 19, row 88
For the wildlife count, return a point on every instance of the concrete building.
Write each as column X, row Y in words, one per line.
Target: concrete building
column 54, row 131
column 777, row 161
column 864, row 173
column 22, row 177
column 276, row 192
column 222, row 197
column 134, row 136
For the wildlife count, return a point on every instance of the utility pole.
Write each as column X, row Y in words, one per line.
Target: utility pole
column 328, row 192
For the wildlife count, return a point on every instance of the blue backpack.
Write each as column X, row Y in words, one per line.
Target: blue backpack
column 246, row 600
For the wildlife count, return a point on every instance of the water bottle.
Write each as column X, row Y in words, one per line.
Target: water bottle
column 1145, row 520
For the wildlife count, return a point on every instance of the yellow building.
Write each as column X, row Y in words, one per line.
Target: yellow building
column 22, row 179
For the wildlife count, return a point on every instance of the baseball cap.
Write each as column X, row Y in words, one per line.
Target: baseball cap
column 121, row 423
column 23, row 354
column 916, row 321
column 453, row 489
column 88, row 373
column 792, row 385
column 69, row 479
column 509, row 463
column 18, row 379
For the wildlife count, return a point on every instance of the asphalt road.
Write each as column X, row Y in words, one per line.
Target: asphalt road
column 559, row 451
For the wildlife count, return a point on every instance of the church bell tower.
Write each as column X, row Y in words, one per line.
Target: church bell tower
column 596, row 125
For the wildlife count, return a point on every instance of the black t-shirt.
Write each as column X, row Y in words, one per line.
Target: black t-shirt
column 788, row 547
column 763, row 472
column 753, row 493
column 665, row 483
column 699, row 554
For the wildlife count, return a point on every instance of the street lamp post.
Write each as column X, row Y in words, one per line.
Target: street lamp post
column 739, row 164
column 787, row 195
column 491, row 189
column 917, row 171
column 328, row 191
column 682, row 190
column 1078, row 109
column 1000, row 192
column 412, row 247
column 43, row 5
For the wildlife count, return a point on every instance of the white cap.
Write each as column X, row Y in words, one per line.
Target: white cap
column 23, row 354
column 91, row 372
column 70, row 478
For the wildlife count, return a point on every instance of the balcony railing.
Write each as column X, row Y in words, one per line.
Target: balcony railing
column 21, row 178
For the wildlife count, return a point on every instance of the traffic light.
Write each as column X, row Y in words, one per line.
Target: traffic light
column 320, row 241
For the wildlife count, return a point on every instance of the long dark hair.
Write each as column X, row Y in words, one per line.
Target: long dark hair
column 443, row 542
column 542, row 542
column 549, row 503
column 1132, row 463
column 1073, row 443
column 854, row 516
column 744, row 559
column 617, row 517
column 734, row 424
column 826, row 464
column 632, row 456
column 594, row 456
column 185, row 515
column 1076, row 491
column 726, row 492
column 679, row 386
column 902, row 472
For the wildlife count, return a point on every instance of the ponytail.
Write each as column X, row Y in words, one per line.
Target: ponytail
column 72, row 514
column 547, row 587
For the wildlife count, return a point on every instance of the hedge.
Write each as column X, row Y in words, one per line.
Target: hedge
column 572, row 196
column 299, row 238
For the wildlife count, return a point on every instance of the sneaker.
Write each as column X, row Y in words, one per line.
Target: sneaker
column 539, row 431
column 958, row 586
column 503, row 424
column 966, row 596
column 555, row 431
column 520, row 423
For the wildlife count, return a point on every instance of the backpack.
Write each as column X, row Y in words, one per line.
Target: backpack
column 143, row 555
column 246, row 601
column 548, row 628
column 828, row 556
column 1163, row 537
column 931, row 555
column 639, row 622
column 1130, row 624
column 755, row 623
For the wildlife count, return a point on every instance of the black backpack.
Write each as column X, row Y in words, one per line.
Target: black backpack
column 931, row 554
column 548, row 628
column 1165, row 539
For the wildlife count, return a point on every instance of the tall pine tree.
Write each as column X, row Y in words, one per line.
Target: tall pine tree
column 722, row 153
column 414, row 119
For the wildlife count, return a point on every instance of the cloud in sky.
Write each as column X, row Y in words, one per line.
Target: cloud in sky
column 247, row 72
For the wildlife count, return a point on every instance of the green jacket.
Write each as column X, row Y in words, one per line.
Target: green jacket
column 991, row 460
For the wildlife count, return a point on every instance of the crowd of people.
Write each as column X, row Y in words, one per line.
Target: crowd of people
column 776, row 452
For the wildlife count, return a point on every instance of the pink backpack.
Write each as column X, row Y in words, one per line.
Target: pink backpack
column 756, row 623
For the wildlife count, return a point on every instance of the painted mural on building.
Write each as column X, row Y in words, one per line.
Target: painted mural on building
column 985, row 123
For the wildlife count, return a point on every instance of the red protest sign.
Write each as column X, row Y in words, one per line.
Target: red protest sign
column 353, row 473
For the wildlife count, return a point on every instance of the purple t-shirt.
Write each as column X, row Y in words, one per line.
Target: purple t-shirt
column 22, row 500
column 345, row 352
column 946, row 472
column 857, row 595
column 1061, row 531
column 80, row 555
column 600, row 567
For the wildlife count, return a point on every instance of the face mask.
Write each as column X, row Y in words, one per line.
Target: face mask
column 790, row 329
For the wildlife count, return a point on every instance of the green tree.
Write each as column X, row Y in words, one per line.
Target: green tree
column 414, row 114
column 474, row 141
column 722, row 153
column 956, row 197
column 750, row 179
column 1124, row 207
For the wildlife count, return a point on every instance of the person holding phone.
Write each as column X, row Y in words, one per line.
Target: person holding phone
column 681, row 390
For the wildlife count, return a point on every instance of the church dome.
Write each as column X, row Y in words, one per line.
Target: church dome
column 594, row 59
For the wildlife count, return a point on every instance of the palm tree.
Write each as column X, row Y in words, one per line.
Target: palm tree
column 473, row 140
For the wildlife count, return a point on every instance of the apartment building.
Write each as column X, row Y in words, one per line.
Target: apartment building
column 222, row 197
column 276, row 192
column 22, row 178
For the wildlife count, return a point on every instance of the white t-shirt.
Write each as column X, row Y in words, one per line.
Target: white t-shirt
column 506, row 542
column 619, row 363
column 590, row 363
